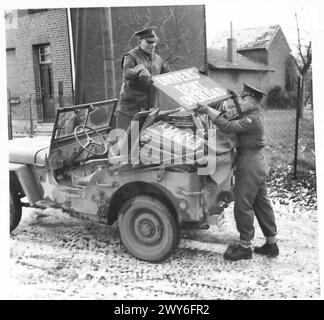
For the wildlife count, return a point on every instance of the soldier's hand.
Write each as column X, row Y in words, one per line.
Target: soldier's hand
column 144, row 76
column 202, row 108
column 203, row 71
column 233, row 93
column 223, row 107
column 138, row 68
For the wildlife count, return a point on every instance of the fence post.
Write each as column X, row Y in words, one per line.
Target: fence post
column 9, row 118
column 298, row 106
column 31, row 116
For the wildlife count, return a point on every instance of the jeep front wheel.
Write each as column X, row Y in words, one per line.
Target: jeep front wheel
column 148, row 229
column 15, row 209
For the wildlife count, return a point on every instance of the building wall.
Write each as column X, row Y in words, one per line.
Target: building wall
column 233, row 79
column 257, row 55
column 278, row 54
column 31, row 30
column 276, row 58
column 88, row 54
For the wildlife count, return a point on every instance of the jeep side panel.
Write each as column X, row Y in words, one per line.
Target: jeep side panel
column 179, row 187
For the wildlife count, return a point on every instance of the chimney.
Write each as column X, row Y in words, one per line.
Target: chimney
column 231, row 48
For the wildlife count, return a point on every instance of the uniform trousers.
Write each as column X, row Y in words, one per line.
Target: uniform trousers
column 251, row 197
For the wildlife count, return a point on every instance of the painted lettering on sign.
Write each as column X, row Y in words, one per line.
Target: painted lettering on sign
column 177, row 77
column 188, row 87
column 195, row 92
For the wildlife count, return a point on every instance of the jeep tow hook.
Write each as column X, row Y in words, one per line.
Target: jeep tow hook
column 188, row 193
column 114, row 184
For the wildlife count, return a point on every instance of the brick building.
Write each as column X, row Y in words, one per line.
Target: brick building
column 38, row 58
column 258, row 56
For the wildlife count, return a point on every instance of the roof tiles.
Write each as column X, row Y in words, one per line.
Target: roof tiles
column 251, row 38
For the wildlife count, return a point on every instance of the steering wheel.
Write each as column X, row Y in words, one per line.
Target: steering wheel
column 90, row 142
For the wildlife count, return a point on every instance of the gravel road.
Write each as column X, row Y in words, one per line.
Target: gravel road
column 55, row 256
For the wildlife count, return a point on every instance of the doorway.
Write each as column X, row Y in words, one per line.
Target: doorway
column 46, row 83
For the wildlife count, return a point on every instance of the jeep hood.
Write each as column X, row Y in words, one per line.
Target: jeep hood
column 29, row 150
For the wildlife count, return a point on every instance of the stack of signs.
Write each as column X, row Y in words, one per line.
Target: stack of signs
column 163, row 143
column 187, row 87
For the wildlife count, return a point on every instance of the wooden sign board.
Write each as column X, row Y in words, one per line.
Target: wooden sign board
column 189, row 86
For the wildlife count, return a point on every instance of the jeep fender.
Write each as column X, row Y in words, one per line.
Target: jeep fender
column 27, row 181
column 137, row 188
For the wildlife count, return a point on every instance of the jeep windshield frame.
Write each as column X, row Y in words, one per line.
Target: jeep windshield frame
column 97, row 115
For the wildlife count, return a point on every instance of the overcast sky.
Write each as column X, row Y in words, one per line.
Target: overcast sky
column 256, row 13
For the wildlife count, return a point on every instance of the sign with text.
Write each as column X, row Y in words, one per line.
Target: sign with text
column 189, row 86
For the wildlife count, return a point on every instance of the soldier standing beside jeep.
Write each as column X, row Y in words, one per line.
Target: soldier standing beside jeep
column 139, row 64
column 250, row 190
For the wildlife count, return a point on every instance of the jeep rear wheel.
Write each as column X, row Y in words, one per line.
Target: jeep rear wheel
column 148, row 229
column 15, row 209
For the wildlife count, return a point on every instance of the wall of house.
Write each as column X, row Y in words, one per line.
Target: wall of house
column 233, row 79
column 31, row 30
column 278, row 54
column 181, row 30
column 88, row 52
column 257, row 55
column 276, row 58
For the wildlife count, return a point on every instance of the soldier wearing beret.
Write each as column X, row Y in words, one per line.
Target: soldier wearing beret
column 250, row 189
column 139, row 65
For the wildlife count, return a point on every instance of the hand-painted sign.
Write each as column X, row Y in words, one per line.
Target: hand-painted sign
column 189, row 86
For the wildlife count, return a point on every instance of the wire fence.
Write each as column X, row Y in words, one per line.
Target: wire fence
column 25, row 113
column 281, row 138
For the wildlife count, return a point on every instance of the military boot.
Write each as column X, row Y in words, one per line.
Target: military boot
column 237, row 252
column 268, row 249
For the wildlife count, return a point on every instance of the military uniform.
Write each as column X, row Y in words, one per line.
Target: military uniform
column 251, row 171
column 250, row 189
column 137, row 91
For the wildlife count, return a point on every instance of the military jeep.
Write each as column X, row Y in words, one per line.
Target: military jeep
column 82, row 168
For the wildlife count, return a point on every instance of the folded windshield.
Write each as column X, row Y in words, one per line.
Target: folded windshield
column 94, row 117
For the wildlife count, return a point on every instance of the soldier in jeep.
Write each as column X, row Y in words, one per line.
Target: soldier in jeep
column 139, row 64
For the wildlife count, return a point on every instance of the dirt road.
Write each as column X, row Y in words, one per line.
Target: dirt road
column 54, row 256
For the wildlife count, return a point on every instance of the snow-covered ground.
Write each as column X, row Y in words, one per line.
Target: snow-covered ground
column 55, row 256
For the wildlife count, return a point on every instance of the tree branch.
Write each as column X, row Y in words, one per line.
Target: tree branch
column 299, row 44
column 308, row 59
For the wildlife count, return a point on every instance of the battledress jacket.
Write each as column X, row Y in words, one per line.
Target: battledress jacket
column 249, row 129
column 137, row 92
column 251, row 140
